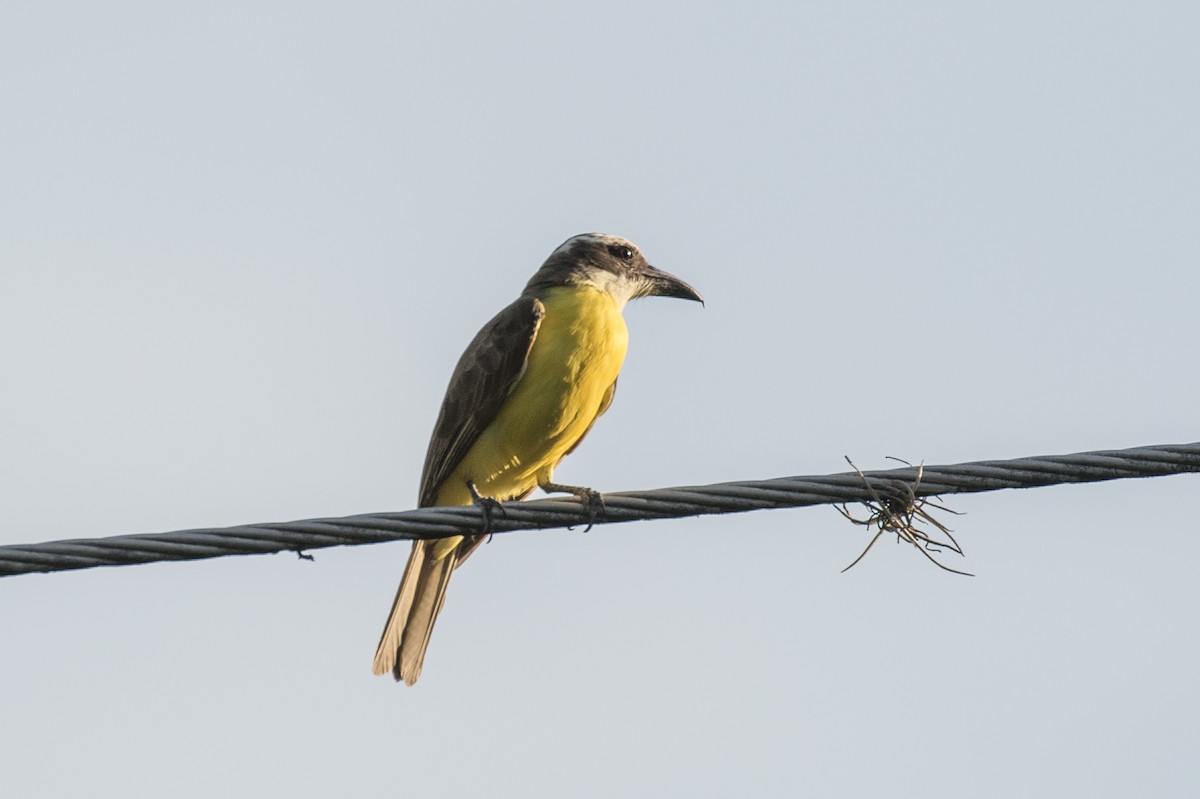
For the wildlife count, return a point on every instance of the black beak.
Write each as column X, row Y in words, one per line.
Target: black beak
column 664, row 284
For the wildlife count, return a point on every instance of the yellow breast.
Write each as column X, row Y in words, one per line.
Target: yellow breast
column 575, row 359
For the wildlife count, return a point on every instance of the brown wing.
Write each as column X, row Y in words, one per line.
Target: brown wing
column 486, row 373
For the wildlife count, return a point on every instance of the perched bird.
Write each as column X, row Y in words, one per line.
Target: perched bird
column 524, row 394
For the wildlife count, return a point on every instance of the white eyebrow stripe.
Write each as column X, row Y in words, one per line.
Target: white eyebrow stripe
column 605, row 239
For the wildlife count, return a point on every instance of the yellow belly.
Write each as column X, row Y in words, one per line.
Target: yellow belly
column 575, row 359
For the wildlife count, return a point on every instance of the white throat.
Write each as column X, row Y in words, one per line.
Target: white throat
column 620, row 288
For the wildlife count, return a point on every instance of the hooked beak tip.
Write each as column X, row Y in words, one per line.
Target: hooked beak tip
column 664, row 284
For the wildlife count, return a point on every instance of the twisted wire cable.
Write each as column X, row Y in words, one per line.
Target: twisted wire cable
column 622, row 506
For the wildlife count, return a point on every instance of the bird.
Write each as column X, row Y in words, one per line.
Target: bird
column 525, row 393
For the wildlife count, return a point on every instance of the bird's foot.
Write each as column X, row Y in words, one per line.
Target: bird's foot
column 593, row 500
column 489, row 506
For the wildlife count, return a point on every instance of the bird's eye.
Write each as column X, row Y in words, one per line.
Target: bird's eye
column 621, row 251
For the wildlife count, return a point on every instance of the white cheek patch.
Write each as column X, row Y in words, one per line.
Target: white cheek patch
column 622, row 288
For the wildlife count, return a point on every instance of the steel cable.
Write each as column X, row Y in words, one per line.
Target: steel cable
column 622, row 506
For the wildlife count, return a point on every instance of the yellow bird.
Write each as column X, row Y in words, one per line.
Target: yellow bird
column 525, row 392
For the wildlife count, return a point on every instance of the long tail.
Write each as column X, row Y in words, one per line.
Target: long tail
column 418, row 600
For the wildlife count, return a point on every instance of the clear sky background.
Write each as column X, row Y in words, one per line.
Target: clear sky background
column 242, row 245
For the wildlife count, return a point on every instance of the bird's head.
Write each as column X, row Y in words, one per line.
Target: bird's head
column 608, row 263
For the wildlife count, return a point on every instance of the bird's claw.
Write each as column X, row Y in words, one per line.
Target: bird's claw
column 593, row 503
column 489, row 506
column 593, row 500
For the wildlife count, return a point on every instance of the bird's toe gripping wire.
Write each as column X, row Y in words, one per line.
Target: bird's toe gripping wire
column 593, row 500
column 489, row 506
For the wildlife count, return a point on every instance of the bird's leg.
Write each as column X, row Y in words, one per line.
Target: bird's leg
column 489, row 507
column 592, row 500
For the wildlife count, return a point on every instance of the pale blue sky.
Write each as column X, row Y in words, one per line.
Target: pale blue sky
column 242, row 246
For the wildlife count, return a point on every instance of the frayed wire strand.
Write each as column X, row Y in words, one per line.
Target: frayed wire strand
column 900, row 514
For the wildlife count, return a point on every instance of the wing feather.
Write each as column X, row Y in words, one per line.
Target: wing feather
column 486, row 373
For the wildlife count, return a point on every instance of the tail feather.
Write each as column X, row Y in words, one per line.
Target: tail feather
column 418, row 601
